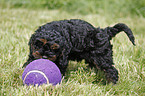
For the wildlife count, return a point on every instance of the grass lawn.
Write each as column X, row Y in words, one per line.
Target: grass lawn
column 16, row 27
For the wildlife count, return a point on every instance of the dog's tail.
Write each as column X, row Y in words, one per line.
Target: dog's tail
column 112, row 31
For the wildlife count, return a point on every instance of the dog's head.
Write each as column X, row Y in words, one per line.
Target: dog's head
column 46, row 45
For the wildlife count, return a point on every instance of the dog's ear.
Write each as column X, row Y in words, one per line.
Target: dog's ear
column 55, row 46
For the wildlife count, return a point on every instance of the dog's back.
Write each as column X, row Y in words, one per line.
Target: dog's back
column 82, row 35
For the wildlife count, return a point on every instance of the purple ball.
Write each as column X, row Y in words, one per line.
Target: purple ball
column 40, row 72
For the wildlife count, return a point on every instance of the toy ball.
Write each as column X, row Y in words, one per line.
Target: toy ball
column 41, row 71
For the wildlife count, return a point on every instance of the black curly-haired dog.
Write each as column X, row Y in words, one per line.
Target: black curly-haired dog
column 60, row 41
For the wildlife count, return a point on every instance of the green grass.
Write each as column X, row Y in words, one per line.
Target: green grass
column 114, row 7
column 18, row 23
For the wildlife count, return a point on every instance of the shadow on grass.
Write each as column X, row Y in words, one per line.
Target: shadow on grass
column 80, row 72
column 17, row 77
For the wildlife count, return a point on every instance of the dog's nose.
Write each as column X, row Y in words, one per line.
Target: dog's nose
column 44, row 57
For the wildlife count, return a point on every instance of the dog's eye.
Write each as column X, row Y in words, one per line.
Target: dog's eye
column 38, row 44
column 55, row 46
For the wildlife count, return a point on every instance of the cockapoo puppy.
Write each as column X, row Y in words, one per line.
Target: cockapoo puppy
column 61, row 41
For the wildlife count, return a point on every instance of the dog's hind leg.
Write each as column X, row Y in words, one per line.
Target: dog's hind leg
column 103, row 62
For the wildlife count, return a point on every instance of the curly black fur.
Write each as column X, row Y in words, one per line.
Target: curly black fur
column 74, row 39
